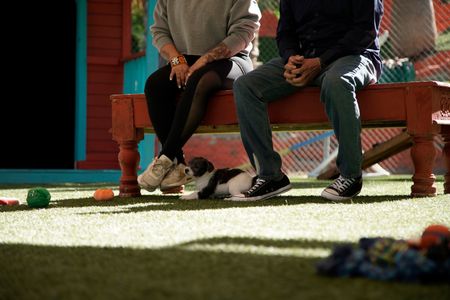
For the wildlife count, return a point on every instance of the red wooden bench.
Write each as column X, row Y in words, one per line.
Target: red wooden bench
column 422, row 107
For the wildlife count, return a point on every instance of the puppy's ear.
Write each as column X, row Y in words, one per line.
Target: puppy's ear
column 210, row 166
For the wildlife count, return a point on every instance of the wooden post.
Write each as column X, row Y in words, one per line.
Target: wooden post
column 423, row 155
column 127, row 136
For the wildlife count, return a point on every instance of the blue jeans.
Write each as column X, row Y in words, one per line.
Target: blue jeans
column 338, row 84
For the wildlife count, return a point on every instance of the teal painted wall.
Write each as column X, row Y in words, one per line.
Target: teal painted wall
column 151, row 52
column 135, row 75
column 136, row 72
column 81, row 81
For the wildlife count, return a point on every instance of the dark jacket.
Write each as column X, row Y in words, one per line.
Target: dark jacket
column 330, row 29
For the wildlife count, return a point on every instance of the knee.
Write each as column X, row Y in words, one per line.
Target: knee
column 340, row 82
column 242, row 88
column 239, row 84
column 150, row 85
column 334, row 87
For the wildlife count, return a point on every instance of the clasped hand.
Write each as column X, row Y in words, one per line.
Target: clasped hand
column 183, row 71
column 300, row 71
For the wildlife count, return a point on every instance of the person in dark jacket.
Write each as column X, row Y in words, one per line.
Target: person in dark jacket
column 326, row 43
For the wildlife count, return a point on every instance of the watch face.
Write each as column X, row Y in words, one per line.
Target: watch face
column 175, row 61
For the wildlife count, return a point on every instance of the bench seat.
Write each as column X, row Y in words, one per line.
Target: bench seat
column 423, row 108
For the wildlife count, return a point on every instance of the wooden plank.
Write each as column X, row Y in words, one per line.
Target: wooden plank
column 100, row 112
column 103, row 89
column 204, row 129
column 115, row 69
column 126, row 28
column 94, row 19
column 123, row 128
column 105, row 31
column 94, row 146
column 104, row 43
column 93, row 165
column 105, row 8
column 104, row 77
column 377, row 154
column 99, row 123
column 103, row 60
column 387, row 149
column 97, row 134
column 101, row 156
column 114, row 53
column 221, row 110
column 98, row 100
column 106, row 1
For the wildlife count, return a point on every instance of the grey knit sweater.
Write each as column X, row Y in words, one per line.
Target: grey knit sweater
column 196, row 26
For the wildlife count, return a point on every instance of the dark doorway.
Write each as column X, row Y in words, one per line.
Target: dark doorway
column 40, row 133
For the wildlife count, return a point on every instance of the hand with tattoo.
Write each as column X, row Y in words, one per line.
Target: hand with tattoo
column 217, row 53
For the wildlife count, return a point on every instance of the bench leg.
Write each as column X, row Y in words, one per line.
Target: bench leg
column 446, row 153
column 129, row 160
column 423, row 155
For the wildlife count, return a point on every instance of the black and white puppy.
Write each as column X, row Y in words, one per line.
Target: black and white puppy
column 215, row 183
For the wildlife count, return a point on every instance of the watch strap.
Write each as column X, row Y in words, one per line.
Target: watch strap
column 177, row 60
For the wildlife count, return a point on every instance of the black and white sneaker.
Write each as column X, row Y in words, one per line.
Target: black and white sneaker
column 264, row 189
column 343, row 188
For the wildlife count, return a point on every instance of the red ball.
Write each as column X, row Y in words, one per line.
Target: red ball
column 434, row 235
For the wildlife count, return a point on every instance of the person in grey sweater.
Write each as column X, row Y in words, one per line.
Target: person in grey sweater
column 207, row 44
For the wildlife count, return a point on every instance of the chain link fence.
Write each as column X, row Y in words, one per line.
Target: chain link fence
column 415, row 46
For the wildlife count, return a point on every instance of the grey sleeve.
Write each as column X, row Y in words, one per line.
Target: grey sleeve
column 160, row 28
column 242, row 25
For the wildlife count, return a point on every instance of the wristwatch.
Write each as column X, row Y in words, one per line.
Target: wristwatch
column 177, row 60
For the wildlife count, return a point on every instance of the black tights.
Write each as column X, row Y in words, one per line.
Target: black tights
column 175, row 113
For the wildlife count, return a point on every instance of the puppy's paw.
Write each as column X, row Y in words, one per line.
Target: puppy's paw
column 192, row 196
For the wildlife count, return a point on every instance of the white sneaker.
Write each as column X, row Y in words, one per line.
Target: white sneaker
column 151, row 178
column 175, row 177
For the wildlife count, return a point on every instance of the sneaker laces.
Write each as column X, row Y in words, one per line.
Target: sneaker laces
column 341, row 184
column 257, row 185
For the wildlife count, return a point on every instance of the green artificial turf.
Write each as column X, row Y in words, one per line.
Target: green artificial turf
column 159, row 247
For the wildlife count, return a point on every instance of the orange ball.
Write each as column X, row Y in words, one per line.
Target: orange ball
column 103, row 194
column 434, row 235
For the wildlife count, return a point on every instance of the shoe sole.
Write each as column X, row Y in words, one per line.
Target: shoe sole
column 332, row 197
column 262, row 197
column 145, row 186
column 175, row 184
column 175, row 190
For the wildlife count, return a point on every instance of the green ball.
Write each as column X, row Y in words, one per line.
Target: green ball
column 38, row 198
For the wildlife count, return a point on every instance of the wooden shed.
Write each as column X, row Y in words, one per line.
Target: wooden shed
column 85, row 46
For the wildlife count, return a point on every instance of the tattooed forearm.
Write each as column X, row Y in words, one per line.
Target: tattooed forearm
column 219, row 52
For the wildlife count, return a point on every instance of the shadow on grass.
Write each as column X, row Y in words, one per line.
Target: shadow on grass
column 61, row 187
column 182, row 272
column 402, row 178
column 173, row 203
column 180, row 205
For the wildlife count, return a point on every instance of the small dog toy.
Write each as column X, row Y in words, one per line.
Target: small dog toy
column 8, row 201
column 38, row 198
column 104, row 194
